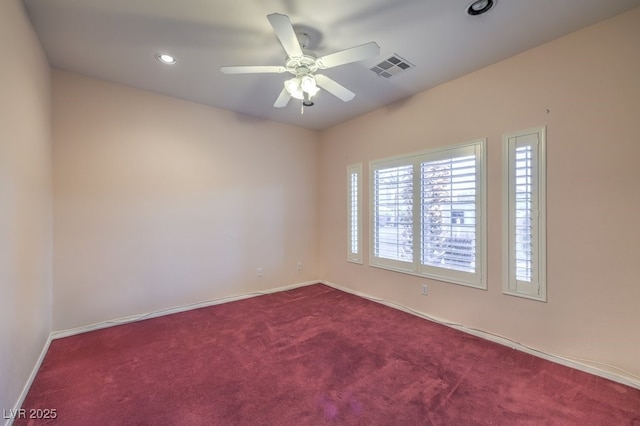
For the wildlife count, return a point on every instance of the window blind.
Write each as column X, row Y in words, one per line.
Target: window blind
column 393, row 213
column 524, row 210
column 449, row 213
column 523, row 230
column 354, row 213
column 426, row 211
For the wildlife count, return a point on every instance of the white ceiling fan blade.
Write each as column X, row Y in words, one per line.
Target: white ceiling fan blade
column 353, row 54
column 253, row 69
column 336, row 89
column 283, row 99
column 286, row 34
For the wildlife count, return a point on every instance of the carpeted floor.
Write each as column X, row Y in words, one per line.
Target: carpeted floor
column 311, row 356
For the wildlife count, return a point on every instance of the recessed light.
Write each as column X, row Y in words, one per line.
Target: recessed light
column 479, row 7
column 165, row 59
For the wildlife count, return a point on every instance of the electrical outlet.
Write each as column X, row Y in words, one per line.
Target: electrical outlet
column 299, row 266
column 259, row 272
column 425, row 289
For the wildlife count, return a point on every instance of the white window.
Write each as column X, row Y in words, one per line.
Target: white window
column 354, row 213
column 524, row 245
column 426, row 214
column 392, row 212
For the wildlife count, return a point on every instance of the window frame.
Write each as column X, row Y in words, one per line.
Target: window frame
column 415, row 266
column 536, row 289
column 385, row 263
column 354, row 216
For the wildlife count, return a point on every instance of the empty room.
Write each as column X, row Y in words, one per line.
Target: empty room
column 304, row 213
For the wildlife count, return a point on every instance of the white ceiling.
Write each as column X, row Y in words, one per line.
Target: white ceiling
column 116, row 40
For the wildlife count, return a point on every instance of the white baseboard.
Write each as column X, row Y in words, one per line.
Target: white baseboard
column 566, row 361
column 173, row 310
column 32, row 376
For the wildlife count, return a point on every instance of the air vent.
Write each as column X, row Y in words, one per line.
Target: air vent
column 392, row 66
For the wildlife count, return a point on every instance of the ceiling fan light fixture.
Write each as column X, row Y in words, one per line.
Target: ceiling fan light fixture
column 479, row 7
column 302, row 87
column 293, row 87
column 308, row 84
column 166, row 59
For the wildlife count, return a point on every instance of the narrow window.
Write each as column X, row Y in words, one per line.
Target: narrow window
column 524, row 245
column 354, row 214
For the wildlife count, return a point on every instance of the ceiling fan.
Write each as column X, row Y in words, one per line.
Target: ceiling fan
column 306, row 83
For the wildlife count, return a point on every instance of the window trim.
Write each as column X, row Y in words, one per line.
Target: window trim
column 537, row 290
column 354, row 257
column 415, row 267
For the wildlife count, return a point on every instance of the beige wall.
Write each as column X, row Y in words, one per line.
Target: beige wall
column 161, row 202
column 586, row 89
column 25, row 201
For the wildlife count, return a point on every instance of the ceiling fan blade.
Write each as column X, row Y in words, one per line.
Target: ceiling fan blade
column 336, row 89
column 253, row 69
column 283, row 99
column 353, row 54
column 286, row 34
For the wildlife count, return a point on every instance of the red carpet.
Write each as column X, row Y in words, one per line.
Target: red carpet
column 311, row 356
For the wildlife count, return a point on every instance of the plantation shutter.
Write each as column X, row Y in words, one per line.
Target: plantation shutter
column 426, row 214
column 354, row 214
column 393, row 215
column 524, row 211
column 449, row 213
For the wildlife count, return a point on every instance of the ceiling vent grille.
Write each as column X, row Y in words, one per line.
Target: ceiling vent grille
column 392, row 66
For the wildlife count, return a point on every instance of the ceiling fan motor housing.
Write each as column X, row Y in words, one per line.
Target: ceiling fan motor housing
column 302, row 65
